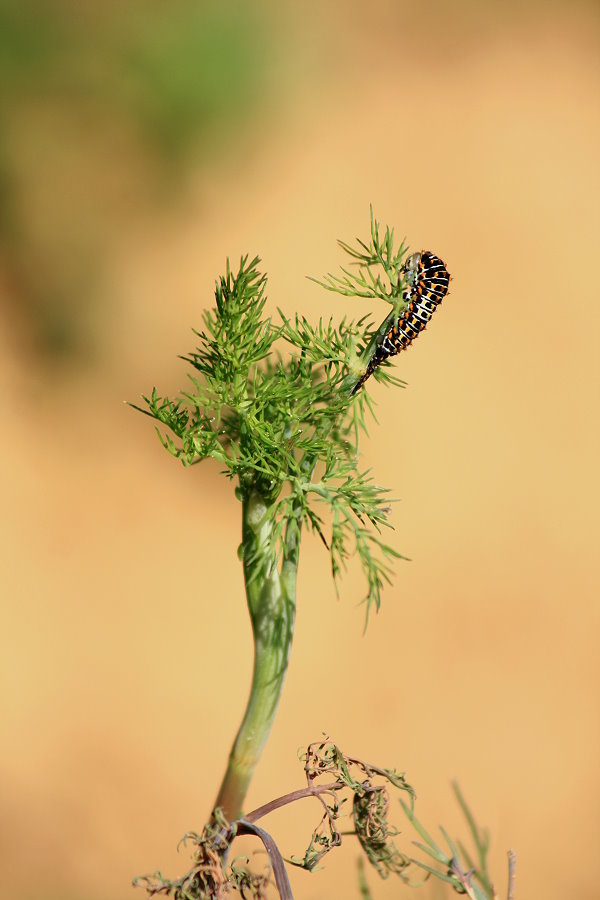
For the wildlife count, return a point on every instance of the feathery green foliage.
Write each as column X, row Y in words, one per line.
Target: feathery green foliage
column 271, row 402
column 377, row 262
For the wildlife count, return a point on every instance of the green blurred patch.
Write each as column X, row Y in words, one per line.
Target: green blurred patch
column 31, row 40
column 98, row 101
column 187, row 72
column 174, row 69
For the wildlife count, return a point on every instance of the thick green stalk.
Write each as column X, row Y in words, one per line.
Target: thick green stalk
column 271, row 597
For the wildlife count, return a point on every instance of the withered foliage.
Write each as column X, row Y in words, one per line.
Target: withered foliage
column 332, row 778
column 346, row 788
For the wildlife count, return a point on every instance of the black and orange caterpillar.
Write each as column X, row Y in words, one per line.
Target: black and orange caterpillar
column 428, row 281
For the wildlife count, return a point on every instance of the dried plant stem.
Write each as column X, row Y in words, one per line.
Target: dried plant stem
column 310, row 791
column 512, row 863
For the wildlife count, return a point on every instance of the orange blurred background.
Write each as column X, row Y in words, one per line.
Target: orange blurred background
column 139, row 148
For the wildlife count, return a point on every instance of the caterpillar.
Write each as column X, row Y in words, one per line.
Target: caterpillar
column 428, row 282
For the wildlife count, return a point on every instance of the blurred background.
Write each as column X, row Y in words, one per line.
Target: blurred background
column 140, row 145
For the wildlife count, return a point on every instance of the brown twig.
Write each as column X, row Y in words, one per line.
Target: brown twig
column 282, row 881
column 309, row 791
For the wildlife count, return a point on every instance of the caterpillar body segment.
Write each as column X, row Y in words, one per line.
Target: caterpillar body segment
column 428, row 282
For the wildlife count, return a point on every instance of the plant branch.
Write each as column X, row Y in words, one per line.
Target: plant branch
column 309, row 791
column 280, row 874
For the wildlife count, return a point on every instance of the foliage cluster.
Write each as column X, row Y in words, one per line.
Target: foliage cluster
column 271, row 403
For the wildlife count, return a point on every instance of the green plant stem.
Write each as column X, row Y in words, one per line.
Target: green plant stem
column 271, row 597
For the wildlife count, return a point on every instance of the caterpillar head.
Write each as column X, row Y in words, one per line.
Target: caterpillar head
column 410, row 272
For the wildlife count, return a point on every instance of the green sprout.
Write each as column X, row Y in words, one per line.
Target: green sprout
column 272, row 403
